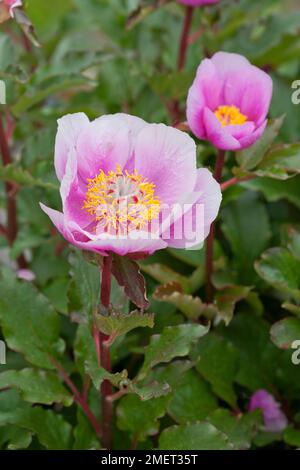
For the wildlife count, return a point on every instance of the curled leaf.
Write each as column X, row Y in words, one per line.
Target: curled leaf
column 117, row 324
column 26, row 26
column 192, row 307
column 142, row 11
column 127, row 273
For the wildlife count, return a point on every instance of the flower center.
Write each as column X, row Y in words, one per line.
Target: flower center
column 230, row 116
column 120, row 201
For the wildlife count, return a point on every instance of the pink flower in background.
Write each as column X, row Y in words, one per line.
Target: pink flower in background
column 122, row 181
column 26, row 275
column 274, row 418
column 228, row 101
column 196, row 3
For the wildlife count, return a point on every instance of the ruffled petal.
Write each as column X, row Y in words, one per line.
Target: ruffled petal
column 69, row 128
column 244, row 85
column 59, row 221
column 200, row 96
column 219, row 136
column 195, row 224
column 248, row 140
column 105, row 143
column 167, row 158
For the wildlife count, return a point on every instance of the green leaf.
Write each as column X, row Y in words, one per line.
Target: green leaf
column 30, row 98
column 165, row 275
column 218, row 364
column 281, row 162
column 293, row 240
column 10, row 400
column 249, row 158
column 275, row 190
column 192, row 307
column 15, row 174
column 191, row 257
column 255, row 354
column 279, row 268
column 285, row 332
column 51, row 429
column 162, row 380
column 192, row 399
column 8, row 53
column 227, row 298
column 14, row 438
column 84, row 435
column 86, row 360
column 47, row 15
column 86, row 278
column 292, row 308
column 141, row 418
column 173, row 85
column 175, row 341
column 30, row 325
column 246, row 227
column 84, row 350
column 292, row 437
column 57, row 293
column 128, row 275
column 149, row 390
column 142, row 11
column 196, row 436
column 36, row 386
column 118, row 324
column 240, row 430
column 98, row 374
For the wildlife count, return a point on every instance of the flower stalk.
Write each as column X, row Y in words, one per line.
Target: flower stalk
column 184, row 40
column 79, row 398
column 104, row 357
column 233, row 181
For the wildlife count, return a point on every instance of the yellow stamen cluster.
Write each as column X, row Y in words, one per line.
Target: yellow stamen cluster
column 230, row 116
column 121, row 201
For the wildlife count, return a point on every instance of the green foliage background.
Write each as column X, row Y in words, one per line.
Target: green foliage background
column 187, row 388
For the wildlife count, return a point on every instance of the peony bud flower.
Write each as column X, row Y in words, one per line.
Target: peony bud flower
column 228, row 101
column 274, row 418
column 7, row 9
column 127, row 186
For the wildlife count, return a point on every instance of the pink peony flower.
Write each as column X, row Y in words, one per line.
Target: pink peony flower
column 7, row 8
column 127, row 185
column 274, row 418
column 228, row 101
column 196, row 3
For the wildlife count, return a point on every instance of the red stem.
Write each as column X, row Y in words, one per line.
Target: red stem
column 233, row 181
column 106, row 387
column 11, row 207
column 3, row 231
column 79, row 399
column 211, row 236
column 184, row 37
column 219, row 166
